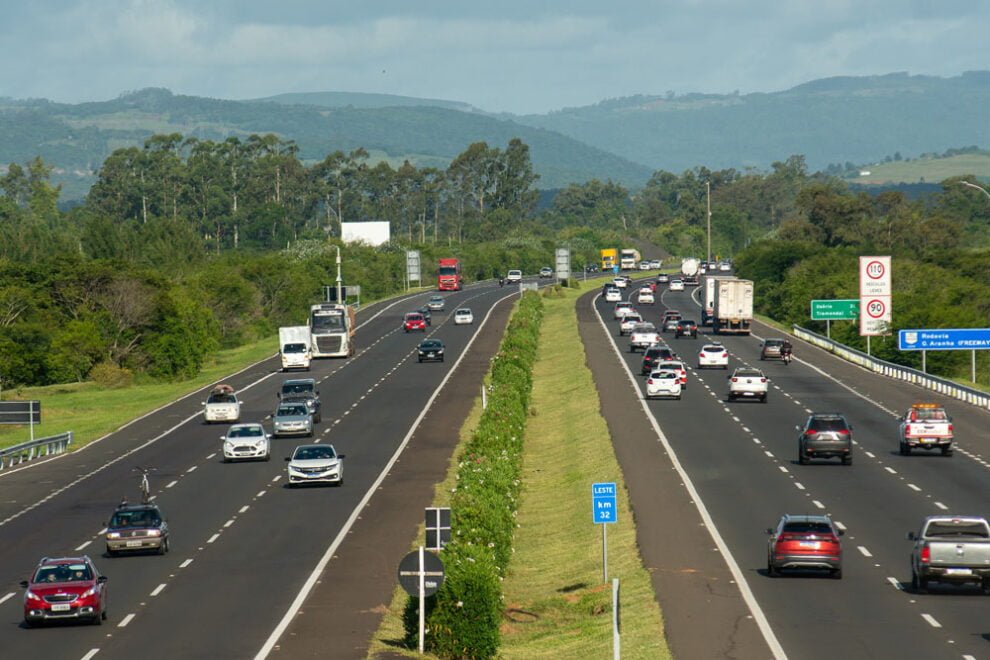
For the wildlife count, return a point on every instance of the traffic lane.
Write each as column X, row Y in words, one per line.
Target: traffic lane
column 305, row 520
column 710, row 448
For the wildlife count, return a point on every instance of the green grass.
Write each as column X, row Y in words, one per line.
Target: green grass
column 556, row 604
column 930, row 170
column 91, row 411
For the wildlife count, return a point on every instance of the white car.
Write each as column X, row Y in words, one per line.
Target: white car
column 613, row 295
column 748, row 383
column 628, row 322
column 663, row 382
column 513, row 277
column 725, row 267
column 620, row 282
column 311, row 464
column 463, row 316
column 678, row 366
column 677, row 285
column 246, row 442
column 622, row 308
column 655, row 264
column 645, row 296
column 644, row 265
column 222, row 405
column 713, row 355
column 643, row 335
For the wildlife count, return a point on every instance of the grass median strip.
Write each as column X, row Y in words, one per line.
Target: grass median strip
column 556, row 605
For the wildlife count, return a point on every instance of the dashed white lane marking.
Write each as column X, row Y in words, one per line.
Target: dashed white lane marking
column 941, row 506
column 192, row 469
column 127, row 619
column 158, row 589
column 914, row 488
column 969, row 657
column 840, row 525
column 870, row 454
column 213, row 538
column 185, row 563
column 799, row 485
column 756, row 440
column 90, row 654
column 83, row 545
column 746, row 429
column 863, row 551
column 228, row 523
column 931, row 620
column 102, row 532
column 7, row 597
column 768, row 453
column 172, row 483
column 260, row 493
column 818, row 504
column 891, row 470
column 897, row 583
column 276, row 478
column 735, row 419
column 244, row 508
column 783, row 469
column 210, row 457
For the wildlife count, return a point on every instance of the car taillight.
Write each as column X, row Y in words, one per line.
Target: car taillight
column 735, row 380
column 725, row 355
column 763, row 380
column 810, row 432
column 926, row 555
column 649, row 381
column 950, row 428
column 843, row 431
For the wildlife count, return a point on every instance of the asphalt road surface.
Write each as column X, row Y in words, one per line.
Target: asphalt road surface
column 242, row 544
column 741, row 460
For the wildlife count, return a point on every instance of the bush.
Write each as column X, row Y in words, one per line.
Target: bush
column 109, row 375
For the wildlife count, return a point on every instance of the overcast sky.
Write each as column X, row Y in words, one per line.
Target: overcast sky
column 511, row 55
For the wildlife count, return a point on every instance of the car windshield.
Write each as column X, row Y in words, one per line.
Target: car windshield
column 222, row 398
column 807, row 527
column 63, row 573
column 961, row 528
column 774, row 342
column 463, row 312
column 645, row 327
column 828, row 424
column 713, row 349
column 311, row 453
column 748, row 373
column 140, row 518
column 291, row 411
column 430, row 345
column 297, row 387
column 246, row 432
column 929, row 414
column 436, row 299
column 664, row 374
column 414, row 317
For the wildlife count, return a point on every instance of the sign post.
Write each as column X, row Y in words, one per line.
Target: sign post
column 563, row 264
column 616, row 620
column 603, row 512
column 874, row 297
column 421, row 574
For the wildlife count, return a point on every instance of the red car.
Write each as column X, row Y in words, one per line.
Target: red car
column 65, row 588
column 414, row 321
column 810, row 542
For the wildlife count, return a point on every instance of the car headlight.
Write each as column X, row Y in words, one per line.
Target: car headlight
column 89, row 592
column 30, row 595
column 113, row 535
column 154, row 532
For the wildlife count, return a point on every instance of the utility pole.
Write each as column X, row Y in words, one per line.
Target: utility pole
column 340, row 299
column 708, row 197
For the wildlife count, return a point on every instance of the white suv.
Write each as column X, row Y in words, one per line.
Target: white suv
column 622, row 308
column 748, row 383
column 628, row 322
column 513, row 276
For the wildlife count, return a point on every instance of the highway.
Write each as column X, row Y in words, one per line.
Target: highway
column 741, row 459
column 242, row 544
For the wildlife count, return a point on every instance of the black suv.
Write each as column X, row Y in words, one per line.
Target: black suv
column 427, row 314
column 136, row 528
column 303, row 389
column 686, row 328
column 825, row 435
column 654, row 355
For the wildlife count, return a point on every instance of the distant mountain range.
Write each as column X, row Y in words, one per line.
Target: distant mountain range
column 833, row 120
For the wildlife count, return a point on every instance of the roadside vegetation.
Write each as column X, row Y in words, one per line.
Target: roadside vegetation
column 554, row 603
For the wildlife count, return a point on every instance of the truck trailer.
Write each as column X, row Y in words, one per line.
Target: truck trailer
column 733, row 306
column 610, row 259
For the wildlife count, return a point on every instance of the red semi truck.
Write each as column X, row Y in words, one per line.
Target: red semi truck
column 449, row 275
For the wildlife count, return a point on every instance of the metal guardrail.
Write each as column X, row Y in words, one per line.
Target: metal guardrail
column 28, row 451
column 891, row 370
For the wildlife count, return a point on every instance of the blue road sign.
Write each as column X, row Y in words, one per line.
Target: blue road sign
column 959, row 339
column 603, row 508
column 615, row 269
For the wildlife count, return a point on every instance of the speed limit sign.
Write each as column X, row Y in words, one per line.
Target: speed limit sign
column 874, row 296
column 876, row 308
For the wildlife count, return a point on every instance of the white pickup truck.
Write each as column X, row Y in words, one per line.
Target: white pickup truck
column 951, row 549
column 925, row 426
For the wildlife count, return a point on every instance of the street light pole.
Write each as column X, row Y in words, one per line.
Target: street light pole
column 708, row 197
column 340, row 299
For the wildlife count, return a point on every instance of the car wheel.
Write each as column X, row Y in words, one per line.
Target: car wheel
column 310, row 434
column 905, row 449
column 802, row 457
column 763, row 399
column 163, row 547
column 407, row 331
column 226, row 460
column 97, row 620
column 847, row 460
column 918, row 584
column 28, row 623
column 111, row 553
column 441, row 359
column 420, row 360
column 772, row 571
column 837, row 573
column 268, row 457
column 319, row 417
column 946, row 451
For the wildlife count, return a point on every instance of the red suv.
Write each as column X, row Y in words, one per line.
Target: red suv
column 65, row 588
column 414, row 321
column 805, row 542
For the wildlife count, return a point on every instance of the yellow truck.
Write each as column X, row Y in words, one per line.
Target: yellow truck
column 610, row 259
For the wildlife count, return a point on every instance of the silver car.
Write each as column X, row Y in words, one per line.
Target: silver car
column 315, row 464
column 292, row 418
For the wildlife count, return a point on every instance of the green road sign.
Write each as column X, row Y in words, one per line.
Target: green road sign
column 834, row 310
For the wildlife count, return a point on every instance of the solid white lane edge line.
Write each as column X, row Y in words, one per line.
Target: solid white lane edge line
column 127, row 619
column 863, row 551
column 158, row 589
column 332, row 549
column 754, row 607
column 931, row 620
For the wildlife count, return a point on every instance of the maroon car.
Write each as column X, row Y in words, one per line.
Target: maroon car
column 65, row 588
column 806, row 541
column 414, row 321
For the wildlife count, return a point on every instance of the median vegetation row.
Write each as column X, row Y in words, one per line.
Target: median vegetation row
column 524, row 571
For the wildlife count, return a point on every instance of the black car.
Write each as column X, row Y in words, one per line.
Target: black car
column 136, row 528
column 427, row 314
column 653, row 356
column 430, row 350
column 591, row 268
column 825, row 435
column 303, row 390
column 686, row 328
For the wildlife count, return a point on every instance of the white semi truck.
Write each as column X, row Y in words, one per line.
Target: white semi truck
column 689, row 270
column 331, row 326
column 295, row 347
column 733, row 306
column 708, row 298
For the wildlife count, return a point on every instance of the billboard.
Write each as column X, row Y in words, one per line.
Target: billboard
column 373, row 233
